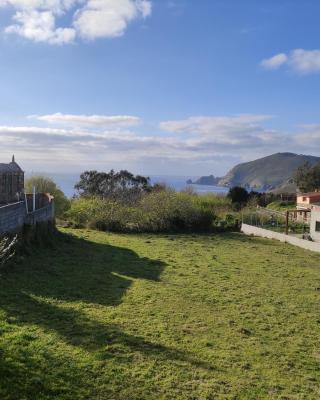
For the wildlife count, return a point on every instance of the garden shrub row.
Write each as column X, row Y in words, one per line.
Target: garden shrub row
column 158, row 211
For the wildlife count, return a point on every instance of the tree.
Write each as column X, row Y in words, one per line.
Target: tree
column 307, row 177
column 253, row 200
column 238, row 195
column 121, row 185
column 44, row 184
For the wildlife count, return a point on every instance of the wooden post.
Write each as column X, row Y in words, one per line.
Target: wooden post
column 287, row 222
column 26, row 201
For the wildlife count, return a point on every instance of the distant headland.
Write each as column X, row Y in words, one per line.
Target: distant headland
column 273, row 172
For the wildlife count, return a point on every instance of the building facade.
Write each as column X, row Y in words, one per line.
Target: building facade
column 315, row 223
column 11, row 182
column 307, row 200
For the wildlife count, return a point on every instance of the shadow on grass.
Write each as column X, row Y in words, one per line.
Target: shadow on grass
column 41, row 292
column 76, row 329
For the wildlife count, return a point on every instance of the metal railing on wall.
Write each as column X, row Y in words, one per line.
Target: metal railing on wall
column 277, row 221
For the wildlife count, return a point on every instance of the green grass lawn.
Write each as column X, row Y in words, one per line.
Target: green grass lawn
column 106, row 316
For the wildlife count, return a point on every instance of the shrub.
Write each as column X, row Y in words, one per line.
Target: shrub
column 157, row 211
column 281, row 205
column 238, row 195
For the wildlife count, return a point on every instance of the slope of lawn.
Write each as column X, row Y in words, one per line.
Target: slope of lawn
column 106, row 316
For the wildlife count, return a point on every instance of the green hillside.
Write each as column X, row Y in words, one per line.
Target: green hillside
column 267, row 172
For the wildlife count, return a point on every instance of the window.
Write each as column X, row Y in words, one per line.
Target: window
column 317, row 226
column 304, row 199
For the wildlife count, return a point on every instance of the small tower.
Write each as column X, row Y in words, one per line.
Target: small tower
column 11, row 182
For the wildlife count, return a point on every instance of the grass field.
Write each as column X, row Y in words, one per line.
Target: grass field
column 106, row 316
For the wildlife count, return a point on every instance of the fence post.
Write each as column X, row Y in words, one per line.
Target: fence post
column 34, row 199
column 26, row 202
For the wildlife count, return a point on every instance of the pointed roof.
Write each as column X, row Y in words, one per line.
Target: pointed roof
column 11, row 167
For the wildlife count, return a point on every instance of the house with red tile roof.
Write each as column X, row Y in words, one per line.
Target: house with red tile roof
column 306, row 200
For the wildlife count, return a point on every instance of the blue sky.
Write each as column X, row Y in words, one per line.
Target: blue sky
column 180, row 87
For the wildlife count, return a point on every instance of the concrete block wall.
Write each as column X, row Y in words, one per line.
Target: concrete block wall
column 14, row 216
column 43, row 214
column 265, row 233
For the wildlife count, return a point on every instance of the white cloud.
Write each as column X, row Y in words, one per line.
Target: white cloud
column 305, row 61
column 275, row 62
column 56, row 6
column 205, row 140
column 309, row 137
column 232, row 130
column 39, row 26
column 108, row 18
column 299, row 60
column 213, row 143
column 36, row 20
column 89, row 120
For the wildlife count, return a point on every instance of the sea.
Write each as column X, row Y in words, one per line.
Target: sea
column 66, row 182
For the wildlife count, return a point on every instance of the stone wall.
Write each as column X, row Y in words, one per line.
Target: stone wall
column 255, row 231
column 14, row 216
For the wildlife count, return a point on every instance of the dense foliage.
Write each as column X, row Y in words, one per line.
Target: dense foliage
column 156, row 211
column 121, row 185
column 240, row 198
column 44, row 184
column 307, row 177
column 124, row 202
column 238, row 194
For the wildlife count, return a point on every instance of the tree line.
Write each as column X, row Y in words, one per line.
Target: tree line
column 125, row 187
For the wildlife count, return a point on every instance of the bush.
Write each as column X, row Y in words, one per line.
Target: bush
column 157, row 211
column 238, row 195
column 281, row 205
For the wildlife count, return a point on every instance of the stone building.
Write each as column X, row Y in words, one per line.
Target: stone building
column 11, row 182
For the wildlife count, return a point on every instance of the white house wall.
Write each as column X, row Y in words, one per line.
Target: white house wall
column 315, row 216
